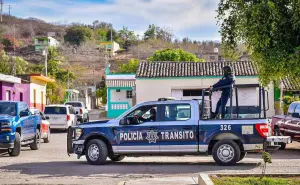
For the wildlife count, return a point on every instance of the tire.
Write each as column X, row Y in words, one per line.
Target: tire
column 47, row 140
column 100, row 149
column 17, row 146
column 282, row 146
column 37, row 141
column 232, row 156
column 117, row 157
column 242, row 156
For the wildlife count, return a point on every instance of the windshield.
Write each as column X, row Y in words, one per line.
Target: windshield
column 8, row 108
column 55, row 110
column 74, row 104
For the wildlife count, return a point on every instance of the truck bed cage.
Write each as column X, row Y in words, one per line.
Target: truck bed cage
column 261, row 107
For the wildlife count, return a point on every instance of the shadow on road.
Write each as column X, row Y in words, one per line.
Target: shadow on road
column 82, row 168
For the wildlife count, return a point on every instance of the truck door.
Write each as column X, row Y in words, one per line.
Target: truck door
column 177, row 128
column 138, row 132
column 296, row 123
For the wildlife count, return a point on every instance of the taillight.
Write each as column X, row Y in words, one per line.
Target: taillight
column 262, row 129
column 68, row 117
column 81, row 112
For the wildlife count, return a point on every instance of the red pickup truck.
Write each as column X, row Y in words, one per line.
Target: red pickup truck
column 288, row 125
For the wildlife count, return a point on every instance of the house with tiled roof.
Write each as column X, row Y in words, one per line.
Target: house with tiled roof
column 185, row 80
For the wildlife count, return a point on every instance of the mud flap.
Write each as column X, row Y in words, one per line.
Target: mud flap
column 69, row 141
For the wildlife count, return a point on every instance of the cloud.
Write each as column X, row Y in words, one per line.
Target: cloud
column 180, row 15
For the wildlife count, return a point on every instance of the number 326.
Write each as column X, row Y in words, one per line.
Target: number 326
column 225, row 127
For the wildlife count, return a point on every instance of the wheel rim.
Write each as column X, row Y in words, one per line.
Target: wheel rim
column 225, row 153
column 93, row 152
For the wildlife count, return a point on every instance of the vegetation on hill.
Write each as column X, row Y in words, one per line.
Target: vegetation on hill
column 175, row 55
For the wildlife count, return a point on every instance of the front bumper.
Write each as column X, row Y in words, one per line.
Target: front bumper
column 6, row 145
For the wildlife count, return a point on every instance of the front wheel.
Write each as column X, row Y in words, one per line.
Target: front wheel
column 47, row 140
column 117, row 157
column 37, row 141
column 242, row 156
column 226, row 153
column 17, row 146
column 96, row 152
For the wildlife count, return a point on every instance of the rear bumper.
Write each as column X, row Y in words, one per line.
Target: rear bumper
column 273, row 142
column 6, row 145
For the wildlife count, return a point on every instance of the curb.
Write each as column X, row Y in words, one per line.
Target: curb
column 203, row 179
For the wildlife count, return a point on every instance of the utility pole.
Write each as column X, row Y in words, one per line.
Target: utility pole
column 1, row 10
column 9, row 8
column 14, row 57
column 45, row 52
column 138, row 37
column 68, row 80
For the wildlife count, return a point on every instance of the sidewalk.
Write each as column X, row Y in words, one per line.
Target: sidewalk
column 162, row 181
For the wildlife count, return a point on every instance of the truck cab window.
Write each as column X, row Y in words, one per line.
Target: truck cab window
column 176, row 112
column 292, row 108
column 141, row 115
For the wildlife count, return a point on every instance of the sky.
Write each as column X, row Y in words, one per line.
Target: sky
column 186, row 18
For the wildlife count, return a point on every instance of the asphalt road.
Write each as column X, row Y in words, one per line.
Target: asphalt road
column 51, row 165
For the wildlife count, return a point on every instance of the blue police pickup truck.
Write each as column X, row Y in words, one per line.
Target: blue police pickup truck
column 18, row 127
column 174, row 127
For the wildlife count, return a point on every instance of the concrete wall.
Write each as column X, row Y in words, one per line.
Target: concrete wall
column 152, row 89
column 120, row 97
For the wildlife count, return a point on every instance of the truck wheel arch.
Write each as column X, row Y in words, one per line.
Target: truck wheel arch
column 224, row 136
column 101, row 137
column 18, row 129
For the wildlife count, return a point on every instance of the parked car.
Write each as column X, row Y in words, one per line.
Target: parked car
column 81, row 110
column 288, row 125
column 61, row 116
column 173, row 127
column 18, row 127
column 45, row 129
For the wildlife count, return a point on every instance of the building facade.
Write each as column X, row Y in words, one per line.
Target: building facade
column 185, row 80
column 37, row 89
column 11, row 89
column 120, row 95
column 41, row 43
column 109, row 47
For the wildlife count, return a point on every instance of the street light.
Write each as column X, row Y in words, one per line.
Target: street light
column 45, row 53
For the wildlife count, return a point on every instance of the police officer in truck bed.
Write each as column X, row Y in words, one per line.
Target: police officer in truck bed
column 227, row 79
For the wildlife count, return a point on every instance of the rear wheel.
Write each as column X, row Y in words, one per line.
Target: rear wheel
column 96, row 152
column 37, row 141
column 117, row 157
column 17, row 146
column 226, row 153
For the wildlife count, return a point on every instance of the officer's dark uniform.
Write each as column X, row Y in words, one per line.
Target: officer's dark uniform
column 226, row 80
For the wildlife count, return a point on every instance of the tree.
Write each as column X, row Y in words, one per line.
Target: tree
column 76, row 35
column 155, row 32
column 101, row 35
column 114, row 34
column 127, row 37
column 102, row 93
column 270, row 29
column 176, row 55
column 130, row 67
column 151, row 32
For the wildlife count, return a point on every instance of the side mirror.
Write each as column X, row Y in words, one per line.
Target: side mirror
column 123, row 121
column 296, row 115
column 24, row 114
column 47, row 117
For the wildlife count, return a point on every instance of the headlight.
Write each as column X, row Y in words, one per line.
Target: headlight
column 5, row 124
column 78, row 132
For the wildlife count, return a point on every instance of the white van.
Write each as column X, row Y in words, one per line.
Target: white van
column 61, row 116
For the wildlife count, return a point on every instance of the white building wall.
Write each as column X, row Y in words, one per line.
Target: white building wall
column 152, row 89
column 38, row 98
column 53, row 42
column 120, row 97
